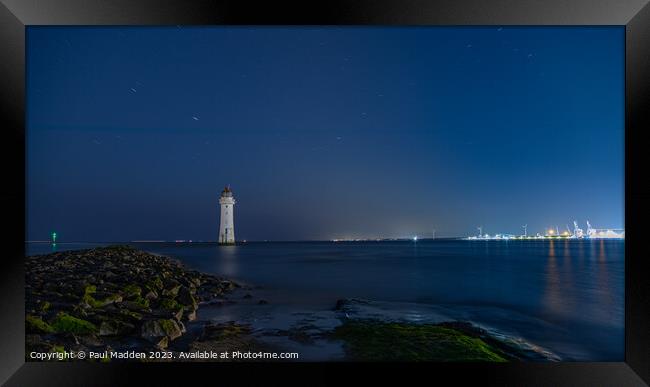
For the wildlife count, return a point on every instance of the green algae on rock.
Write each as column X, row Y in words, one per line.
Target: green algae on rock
column 373, row 340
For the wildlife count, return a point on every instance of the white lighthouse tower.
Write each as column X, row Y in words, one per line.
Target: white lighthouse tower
column 227, row 226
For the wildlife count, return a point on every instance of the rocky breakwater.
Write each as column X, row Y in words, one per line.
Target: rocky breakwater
column 114, row 298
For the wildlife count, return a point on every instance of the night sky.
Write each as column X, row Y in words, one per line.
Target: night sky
column 322, row 133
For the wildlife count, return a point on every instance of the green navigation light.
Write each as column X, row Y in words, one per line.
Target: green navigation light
column 53, row 237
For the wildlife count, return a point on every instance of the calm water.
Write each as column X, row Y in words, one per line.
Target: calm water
column 565, row 296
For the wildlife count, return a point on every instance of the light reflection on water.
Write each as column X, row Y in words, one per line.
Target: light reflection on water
column 228, row 263
column 555, row 300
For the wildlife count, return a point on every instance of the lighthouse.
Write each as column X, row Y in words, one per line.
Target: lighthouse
column 227, row 226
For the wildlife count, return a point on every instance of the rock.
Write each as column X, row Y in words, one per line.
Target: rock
column 111, row 299
column 161, row 343
column 35, row 324
column 185, row 297
column 131, row 305
column 248, row 295
column 65, row 323
column 131, row 315
column 262, row 302
column 154, row 329
column 227, row 285
column 168, row 304
column 190, row 315
column 115, row 327
column 179, row 315
column 90, row 340
column 76, row 299
column 171, row 292
column 151, row 295
column 156, row 283
column 132, row 290
column 170, row 283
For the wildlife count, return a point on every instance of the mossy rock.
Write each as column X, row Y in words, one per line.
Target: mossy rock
column 134, row 316
column 141, row 301
column 172, row 291
column 37, row 325
column 371, row 340
column 169, row 304
column 155, row 284
column 90, row 300
column 45, row 306
column 185, row 297
column 151, row 295
column 112, row 299
column 154, row 329
column 64, row 323
column 132, row 290
column 225, row 331
column 115, row 328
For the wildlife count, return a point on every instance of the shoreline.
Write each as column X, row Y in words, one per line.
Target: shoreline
column 119, row 298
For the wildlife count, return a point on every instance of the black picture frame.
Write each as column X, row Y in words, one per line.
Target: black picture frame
column 15, row 15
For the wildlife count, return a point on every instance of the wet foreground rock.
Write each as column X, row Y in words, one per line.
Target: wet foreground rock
column 111, row 298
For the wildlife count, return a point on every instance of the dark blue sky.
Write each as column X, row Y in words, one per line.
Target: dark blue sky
column 322, row 132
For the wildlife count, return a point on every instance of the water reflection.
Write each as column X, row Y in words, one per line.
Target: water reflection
column 605, row 297
column 593, row 249
column 54, row 247
column 552, row 289
column 566, row 259
column 227, row 260
column 556, row 293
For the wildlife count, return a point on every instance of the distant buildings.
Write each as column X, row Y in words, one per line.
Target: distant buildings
column 578, row 233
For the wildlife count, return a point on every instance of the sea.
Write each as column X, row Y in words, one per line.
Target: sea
column 564, row 298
